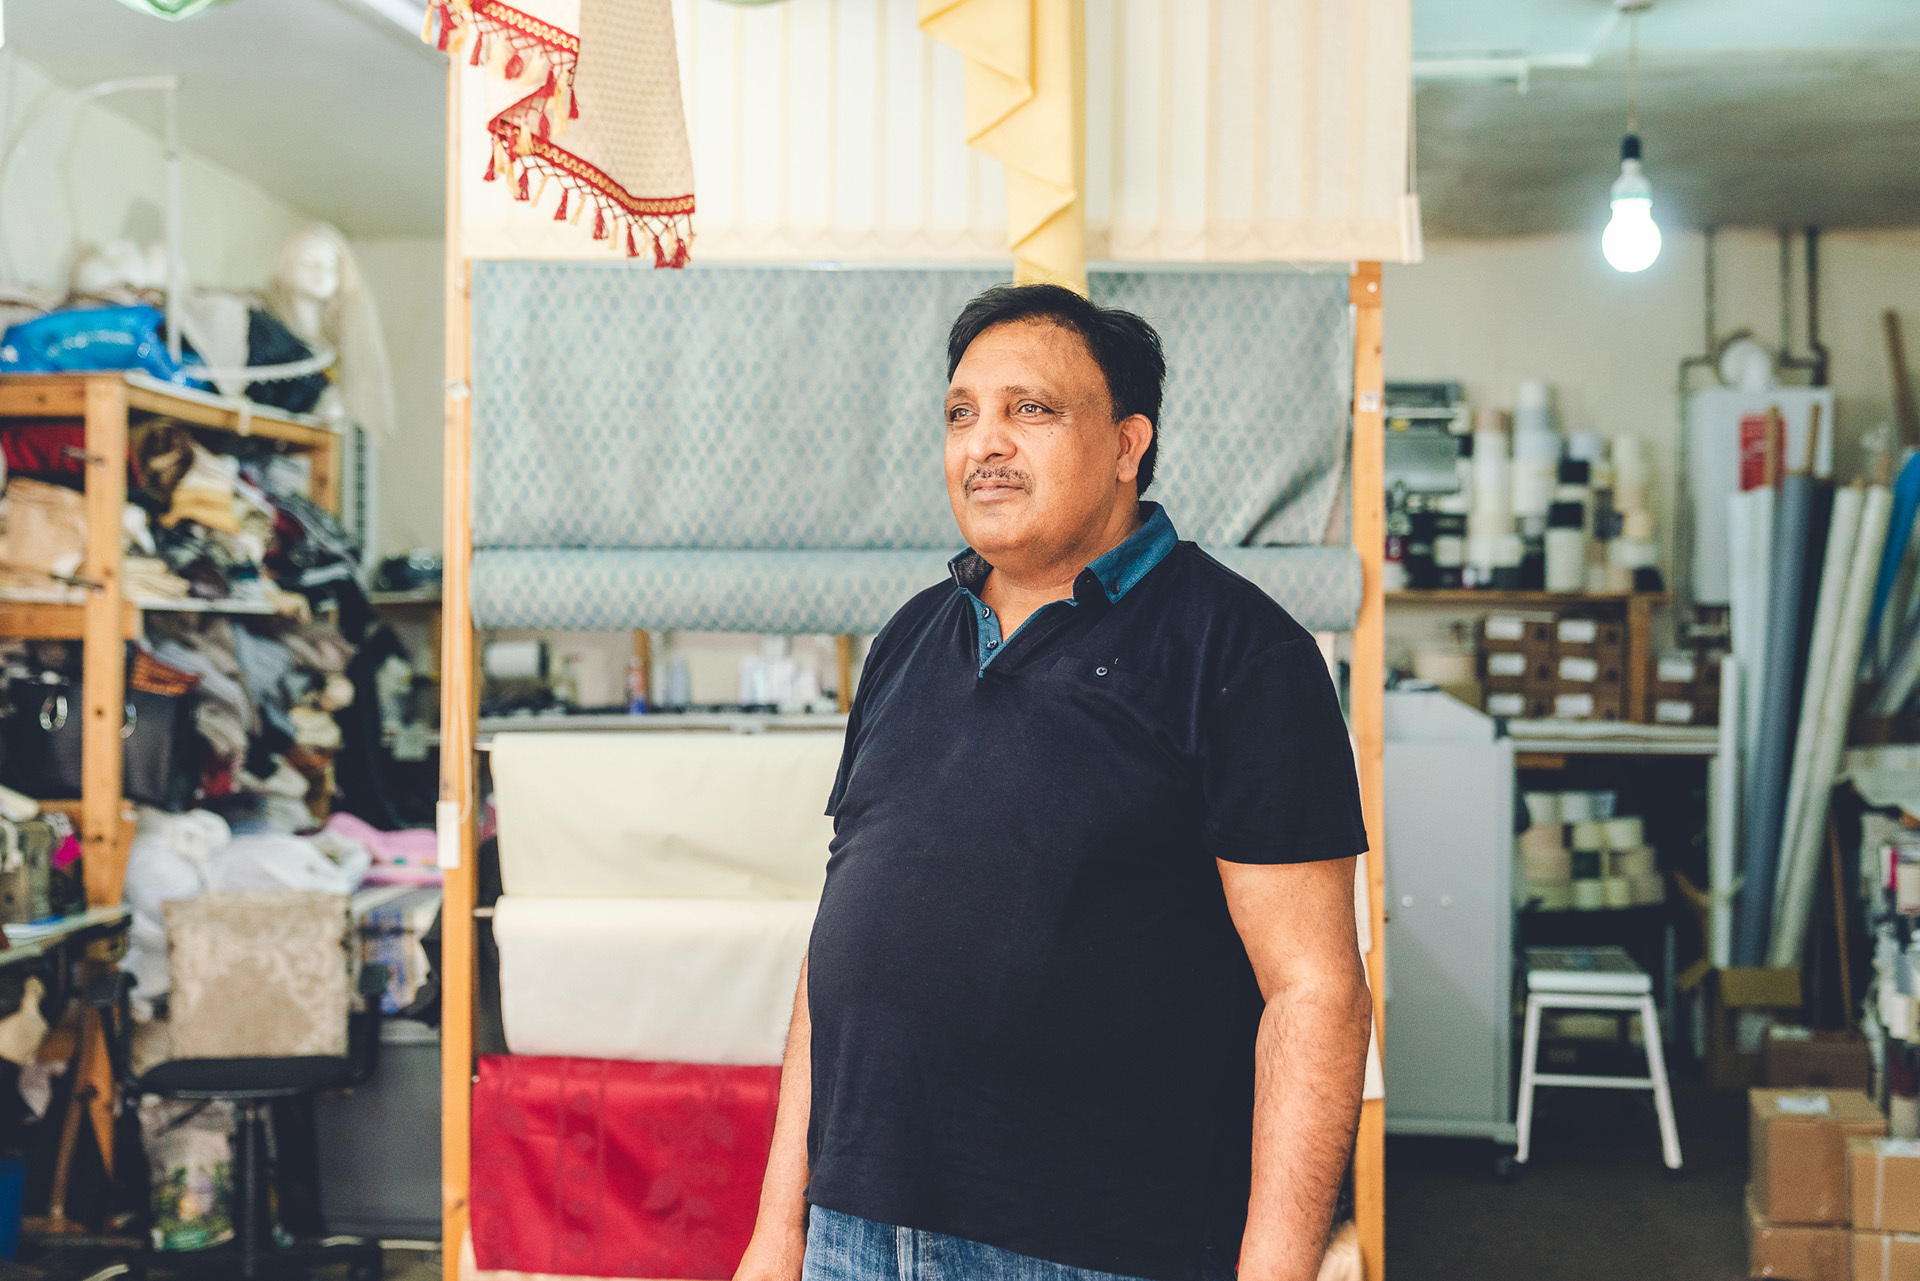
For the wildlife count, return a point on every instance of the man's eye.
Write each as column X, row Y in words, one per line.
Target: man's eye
column 1029, row 407
column 956, row 413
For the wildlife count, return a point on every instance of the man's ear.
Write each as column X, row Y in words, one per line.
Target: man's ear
column 1136, row 434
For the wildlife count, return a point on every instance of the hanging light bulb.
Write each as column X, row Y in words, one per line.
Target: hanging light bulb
column 1631, row 241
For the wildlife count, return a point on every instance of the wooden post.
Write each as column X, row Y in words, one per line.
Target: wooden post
column 843, row 652
column 643, row 666
column 104, row 656
column 1639, row 657
column 458, row 725
column 1367, row 680
column 323, row 485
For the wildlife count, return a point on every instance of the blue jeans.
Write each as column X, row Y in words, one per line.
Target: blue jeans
column 841, row 1247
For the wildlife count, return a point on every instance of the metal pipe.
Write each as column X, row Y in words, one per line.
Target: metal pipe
column 1683, row 507
column 1821, row 357
column 1784, row 358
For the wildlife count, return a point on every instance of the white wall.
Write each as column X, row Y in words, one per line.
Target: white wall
column 81, row 175
column 407, row 279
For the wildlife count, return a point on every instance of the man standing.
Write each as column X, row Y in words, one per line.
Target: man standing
column 1083, row 997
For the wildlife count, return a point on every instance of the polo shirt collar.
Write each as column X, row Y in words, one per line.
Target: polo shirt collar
column 1114, row 574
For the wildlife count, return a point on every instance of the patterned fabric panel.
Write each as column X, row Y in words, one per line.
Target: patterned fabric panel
column 786, row 408
column 797, row 592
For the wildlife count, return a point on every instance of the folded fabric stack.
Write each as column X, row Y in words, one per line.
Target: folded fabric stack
column 660, row 890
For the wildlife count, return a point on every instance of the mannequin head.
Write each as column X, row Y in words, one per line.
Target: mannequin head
column 310, row 266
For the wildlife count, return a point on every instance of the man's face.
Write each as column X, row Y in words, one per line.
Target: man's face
column 1035, row 460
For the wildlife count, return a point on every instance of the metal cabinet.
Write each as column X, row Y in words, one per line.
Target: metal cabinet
column 1449, row 799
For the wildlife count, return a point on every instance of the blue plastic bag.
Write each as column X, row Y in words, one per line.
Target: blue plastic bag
column 91, row 338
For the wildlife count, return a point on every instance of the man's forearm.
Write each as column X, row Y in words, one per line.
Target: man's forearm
column 779, row 1233
column 1310, row 1064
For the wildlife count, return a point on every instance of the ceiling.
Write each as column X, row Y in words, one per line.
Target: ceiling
column 334, row 106
column 1754, row 112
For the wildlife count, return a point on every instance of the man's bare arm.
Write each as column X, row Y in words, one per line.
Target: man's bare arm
column 1297, row 923
column 779, row 1241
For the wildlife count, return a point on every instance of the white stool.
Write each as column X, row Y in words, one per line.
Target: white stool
column 1592, row 978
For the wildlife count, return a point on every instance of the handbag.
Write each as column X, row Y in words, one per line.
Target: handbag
column 160, row 766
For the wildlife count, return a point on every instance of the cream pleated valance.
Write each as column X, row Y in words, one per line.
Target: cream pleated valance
column 1217, row 131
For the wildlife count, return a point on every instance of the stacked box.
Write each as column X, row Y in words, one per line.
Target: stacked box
column 1883, row 1178
column 1798, row 1141
column 1516, row 664
column 1590, row 670
column 1830, row 1193
column 1805, row 1058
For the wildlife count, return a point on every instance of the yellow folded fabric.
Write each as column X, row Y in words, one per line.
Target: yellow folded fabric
column 1026, row 107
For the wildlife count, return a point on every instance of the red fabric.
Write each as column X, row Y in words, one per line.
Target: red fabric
column 37, row 446
column 590, row 1167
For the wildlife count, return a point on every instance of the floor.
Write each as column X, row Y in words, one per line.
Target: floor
column 1594, row 1201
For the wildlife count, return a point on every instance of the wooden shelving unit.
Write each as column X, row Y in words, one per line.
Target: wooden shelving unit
column 1635, row 609
column 100, row 616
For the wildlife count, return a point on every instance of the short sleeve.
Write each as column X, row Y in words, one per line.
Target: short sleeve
column 1279, row 782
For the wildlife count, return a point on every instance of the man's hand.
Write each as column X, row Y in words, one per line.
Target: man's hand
column 779, row 1243
column 1297, row 923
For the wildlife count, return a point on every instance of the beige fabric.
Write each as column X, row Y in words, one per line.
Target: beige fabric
column 664, row 814
column 617, row 178
column 650, row 980
column 1027, row 108
column 43, row 531
column 1234, row 131
column 258, row 974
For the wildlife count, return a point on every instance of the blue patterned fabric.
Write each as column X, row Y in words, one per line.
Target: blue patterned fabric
column 796, row 592
column 765, row 412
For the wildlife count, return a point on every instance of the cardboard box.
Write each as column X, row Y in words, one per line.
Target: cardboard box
column 1798, row 1143
column 1742, row 1004
column 1799, row 1058
column 1883, row 1178
column 1586, row 635
column 1886, row 1256
column 1515, row 631
column 1796, row 1252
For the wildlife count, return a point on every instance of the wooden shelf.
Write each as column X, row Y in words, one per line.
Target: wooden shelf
column 64, row 396
column 66, row 620
column 1496, row 600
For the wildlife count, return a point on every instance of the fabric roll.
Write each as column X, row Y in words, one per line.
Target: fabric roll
column 1723, row 842
column 664, row 814
column 1843, row 531
column 669, row 980
column 1618, row 891
column 1589, row 894
column 593, row 1168
column 1794, row 522
column 1624, row 833
column 1906, row 503
column 1750, row 587
column 1635, row 861
column 1543, row 808
column 1576, row 807
column 1588, row 836
column 1837, row 679
column 1544, row 854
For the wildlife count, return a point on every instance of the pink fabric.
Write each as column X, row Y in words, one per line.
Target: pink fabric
column 407, row 857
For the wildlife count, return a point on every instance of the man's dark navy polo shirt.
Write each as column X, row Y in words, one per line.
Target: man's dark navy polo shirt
column 1033, row 1021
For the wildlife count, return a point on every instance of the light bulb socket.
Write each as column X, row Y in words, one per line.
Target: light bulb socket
column 1630, row 147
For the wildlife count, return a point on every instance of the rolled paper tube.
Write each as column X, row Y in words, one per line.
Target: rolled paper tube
column 1618, row 891
column 1624, row 833
column 1548, row 867
column 1589, row 836
column 1636, row 525
column 1576, row 807
column 1589, row 894
column 1543, row 807
column 1637, row 861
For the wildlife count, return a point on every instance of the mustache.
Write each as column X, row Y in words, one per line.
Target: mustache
column 979, row 474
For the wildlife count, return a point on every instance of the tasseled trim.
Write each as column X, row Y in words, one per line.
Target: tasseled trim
column 524, row 170
column 599, row 223
column 633, row 251
column 560, row 213
column 515, row 66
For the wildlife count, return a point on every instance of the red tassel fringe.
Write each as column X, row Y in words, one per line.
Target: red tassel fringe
column 560, row 214
column 524, row 171
column 599, row 224
column 515, row 65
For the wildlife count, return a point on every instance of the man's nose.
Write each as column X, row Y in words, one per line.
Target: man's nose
column 994, row 439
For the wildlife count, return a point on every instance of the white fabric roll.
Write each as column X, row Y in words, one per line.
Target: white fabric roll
column 1636, row 526
column 1749, row 589
column 653, row 980
column 1843, row 531
column 1724, row 840
column 662, row 814
column 1576, row 807
column 1542, row 807
column 1629, row 454
column 1791, row 914
column 1624, row 833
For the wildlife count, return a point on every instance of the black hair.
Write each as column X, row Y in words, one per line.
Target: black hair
column 1124, row 345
